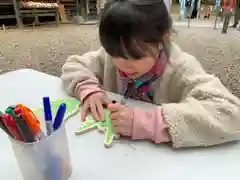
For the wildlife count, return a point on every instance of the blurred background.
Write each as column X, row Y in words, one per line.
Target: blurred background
column 42, row 34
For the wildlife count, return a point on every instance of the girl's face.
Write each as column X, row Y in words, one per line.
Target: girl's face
column 134, row 68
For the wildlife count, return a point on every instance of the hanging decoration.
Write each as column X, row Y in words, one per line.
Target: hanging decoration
column 187, row 12
column 182, row 4
column 217, row 4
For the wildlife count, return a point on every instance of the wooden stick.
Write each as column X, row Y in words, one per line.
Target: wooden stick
column 4, row 29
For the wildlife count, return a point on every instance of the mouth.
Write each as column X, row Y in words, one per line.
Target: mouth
column 132, row 74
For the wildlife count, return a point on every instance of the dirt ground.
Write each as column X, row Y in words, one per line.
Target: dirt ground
column 46, row 49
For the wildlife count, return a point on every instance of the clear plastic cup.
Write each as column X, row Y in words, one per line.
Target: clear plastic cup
column 47, row 159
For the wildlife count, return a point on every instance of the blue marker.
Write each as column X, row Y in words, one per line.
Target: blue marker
column 59, row 116
column 48, row 115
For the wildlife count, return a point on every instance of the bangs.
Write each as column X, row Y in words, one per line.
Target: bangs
column 125, row 32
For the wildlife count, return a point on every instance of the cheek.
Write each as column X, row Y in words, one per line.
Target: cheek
column 119, row 63
column 145, row 65
column 141, row 66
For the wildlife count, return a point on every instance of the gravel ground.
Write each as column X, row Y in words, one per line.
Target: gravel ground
column 46, row 49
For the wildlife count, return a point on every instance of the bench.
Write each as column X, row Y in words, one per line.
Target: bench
column 35, row 9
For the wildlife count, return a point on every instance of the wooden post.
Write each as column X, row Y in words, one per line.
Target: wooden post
column 83, row 9
column 98, row 7
column 217, row 14
column 4, row 29
column 215, row 23
column 57, row 17
column 16, row 4
column 36, row 19
column 189, row 22
column 61, row 11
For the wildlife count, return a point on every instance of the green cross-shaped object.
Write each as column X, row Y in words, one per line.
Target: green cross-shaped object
column 73, row 107
column 103, row 126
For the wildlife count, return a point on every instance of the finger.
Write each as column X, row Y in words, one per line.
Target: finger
column 114, row 107
column 85, row 111
column 115, row 123
column 114, row 116
column 106, row 101
column 94, row 112
column 120, row 130
column 122, row 115
column 117, row 129
column 100, row 110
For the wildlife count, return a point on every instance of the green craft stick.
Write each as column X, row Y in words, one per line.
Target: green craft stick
column 103, row 126
column 109, row 134
column 89, row 124
column 108, row 139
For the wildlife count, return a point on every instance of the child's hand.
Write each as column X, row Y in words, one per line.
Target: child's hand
column 122, row 118
column 94, row 104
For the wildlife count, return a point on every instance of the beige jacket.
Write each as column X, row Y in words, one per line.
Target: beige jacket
column 197, row 108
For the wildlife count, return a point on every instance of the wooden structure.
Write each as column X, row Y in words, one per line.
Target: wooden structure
column 36, row 9
column 88, row 9
column 69, row 6
column 9, row 13
column 22, row 12
column 29, row 8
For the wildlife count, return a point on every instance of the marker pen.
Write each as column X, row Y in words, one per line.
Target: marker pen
column 48, row 115
column 4, row 128
column 59, row 116
column 24, row 129
column 10, row 123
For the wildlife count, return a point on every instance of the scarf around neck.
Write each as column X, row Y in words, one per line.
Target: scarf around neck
column 140, row 88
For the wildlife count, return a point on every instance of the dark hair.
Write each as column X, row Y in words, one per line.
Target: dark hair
column 128, row 27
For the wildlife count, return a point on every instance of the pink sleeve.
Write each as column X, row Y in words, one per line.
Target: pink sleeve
column 85, row 88
column 150, row 125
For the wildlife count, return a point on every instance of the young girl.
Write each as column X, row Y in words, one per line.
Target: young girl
column 138, row 60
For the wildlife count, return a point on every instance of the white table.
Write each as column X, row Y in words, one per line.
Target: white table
column 91, row 161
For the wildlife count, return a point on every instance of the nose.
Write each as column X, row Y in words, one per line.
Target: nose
column 129, row 65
